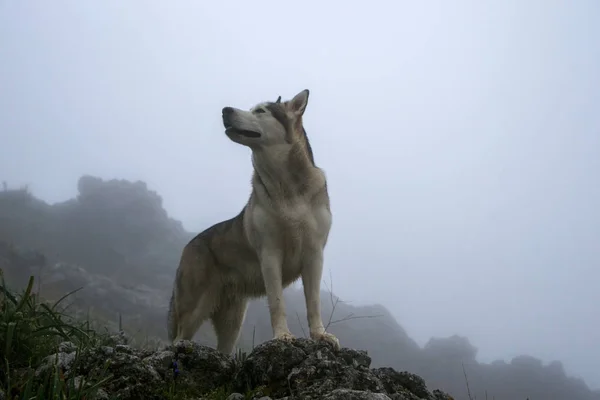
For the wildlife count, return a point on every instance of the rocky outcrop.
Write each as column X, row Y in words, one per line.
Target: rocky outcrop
column 290, row 370
column 115, row 228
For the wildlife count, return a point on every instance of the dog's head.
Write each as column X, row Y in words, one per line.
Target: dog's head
column 269, row 123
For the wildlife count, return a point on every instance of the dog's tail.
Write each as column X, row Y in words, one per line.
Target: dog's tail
column 172, row 320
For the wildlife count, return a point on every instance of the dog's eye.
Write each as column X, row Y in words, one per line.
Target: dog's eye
column 259, row 111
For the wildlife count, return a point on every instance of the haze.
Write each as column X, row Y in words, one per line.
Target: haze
column 461, row 141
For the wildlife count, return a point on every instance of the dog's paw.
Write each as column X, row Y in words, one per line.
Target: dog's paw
column 327, row 337
column 284, row 336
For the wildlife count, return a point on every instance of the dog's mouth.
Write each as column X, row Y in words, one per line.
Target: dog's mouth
column 230, row 130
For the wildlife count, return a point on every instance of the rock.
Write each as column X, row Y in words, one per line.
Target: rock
column 400, row 382
column 346, row 394
column 439, row 395
column 162, row 362
column 67, row 347
column 101, row 395
column 201, row 368
column 306, row 369
column 62, row 361
column 118, row 339
column 299, row 369
column 131, row 377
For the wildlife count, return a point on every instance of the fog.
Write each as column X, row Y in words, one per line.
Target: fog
column 461, row 142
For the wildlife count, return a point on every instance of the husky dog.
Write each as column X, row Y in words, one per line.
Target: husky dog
column 278, row 237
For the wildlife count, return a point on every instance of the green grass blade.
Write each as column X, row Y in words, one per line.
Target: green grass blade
column 64, row 297
column 26, row 295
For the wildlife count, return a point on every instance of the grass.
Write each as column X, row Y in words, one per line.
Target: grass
column 30, row 331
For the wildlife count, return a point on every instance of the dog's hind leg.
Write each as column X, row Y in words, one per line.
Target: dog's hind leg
column 193, row 313
column 195, row 292
column 227, row 321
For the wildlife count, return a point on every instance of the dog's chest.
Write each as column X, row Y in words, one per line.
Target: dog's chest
column 303, row 218
column 298, row 213
column 294, row 225
column 302, row 230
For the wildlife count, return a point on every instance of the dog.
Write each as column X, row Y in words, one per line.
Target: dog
column 278, row 237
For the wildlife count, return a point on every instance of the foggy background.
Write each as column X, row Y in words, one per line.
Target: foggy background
column 461, row 141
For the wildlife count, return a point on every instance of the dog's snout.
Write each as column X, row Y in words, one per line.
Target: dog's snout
column 227, row 111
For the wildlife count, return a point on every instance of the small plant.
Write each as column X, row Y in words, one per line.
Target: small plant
column 55, row 386
column 30, row 331
column 240, row 356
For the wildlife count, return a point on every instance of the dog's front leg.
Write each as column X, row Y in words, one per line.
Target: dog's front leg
column 271, row 271
column 312, row 272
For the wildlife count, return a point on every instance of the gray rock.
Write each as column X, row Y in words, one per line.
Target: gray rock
column 306, row 368
column 347, row 394
column 201, row 368
column 403, row 383
column 101, row 395
column 282, row 370
column 67, row 347
column 62, row 361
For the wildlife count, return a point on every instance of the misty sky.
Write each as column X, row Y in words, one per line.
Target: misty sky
column 461, row 141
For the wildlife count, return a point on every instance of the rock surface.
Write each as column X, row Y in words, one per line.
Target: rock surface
column 285, row 370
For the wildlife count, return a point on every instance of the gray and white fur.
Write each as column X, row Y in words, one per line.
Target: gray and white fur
column 278, row 237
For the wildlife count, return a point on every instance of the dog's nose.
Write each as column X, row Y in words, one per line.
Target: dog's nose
column 227, row 116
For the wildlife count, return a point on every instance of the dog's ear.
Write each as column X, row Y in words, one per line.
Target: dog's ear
column 278, row 100
column 298, row 104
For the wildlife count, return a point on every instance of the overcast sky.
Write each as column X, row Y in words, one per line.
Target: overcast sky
column 461, row 141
